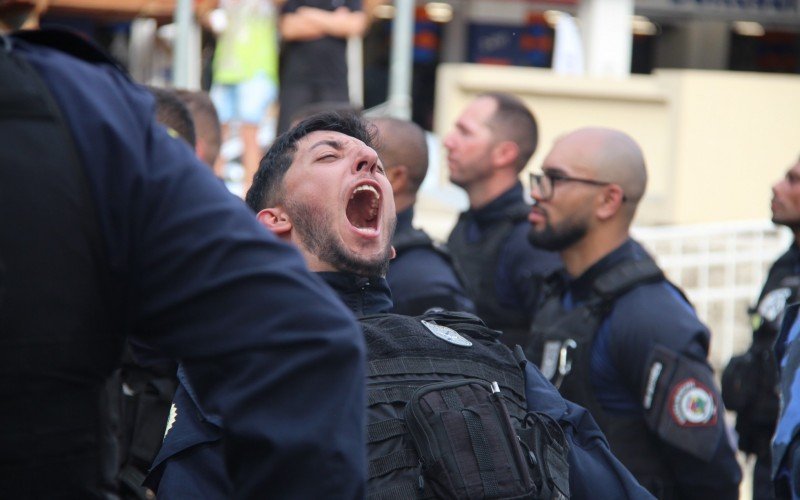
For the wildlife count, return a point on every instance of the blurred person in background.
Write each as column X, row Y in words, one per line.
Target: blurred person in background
column 208, row 133
column 422, row 275
column 614, row 335
column 172, row 112
column 489, row 145
column 750, row 381
column 21, row 14
column 313, row 59
column 245, row 75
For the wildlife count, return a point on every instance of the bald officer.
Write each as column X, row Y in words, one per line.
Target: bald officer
column 422, row 274
column 613, row 334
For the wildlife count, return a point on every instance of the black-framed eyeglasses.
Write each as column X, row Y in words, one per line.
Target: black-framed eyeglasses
column 546, row 183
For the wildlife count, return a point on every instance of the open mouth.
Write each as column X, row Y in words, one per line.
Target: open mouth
column 363, row 208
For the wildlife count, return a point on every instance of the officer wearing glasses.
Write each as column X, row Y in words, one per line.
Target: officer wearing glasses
column 613, row 334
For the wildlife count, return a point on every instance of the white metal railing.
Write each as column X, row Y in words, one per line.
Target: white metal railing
column 721, row 267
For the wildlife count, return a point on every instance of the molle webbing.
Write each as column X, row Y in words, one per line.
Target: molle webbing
column 454, row 367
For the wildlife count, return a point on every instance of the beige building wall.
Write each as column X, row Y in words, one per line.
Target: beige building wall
column 714, row 141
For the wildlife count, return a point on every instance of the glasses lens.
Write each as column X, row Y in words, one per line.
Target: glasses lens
column 542, row 183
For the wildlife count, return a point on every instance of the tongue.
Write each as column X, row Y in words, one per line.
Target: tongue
column 362, row 211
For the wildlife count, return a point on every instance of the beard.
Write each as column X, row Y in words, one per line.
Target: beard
column 793, row 224
column 556, row 240
column 315, row 229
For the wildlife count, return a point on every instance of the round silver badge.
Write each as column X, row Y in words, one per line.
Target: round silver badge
column 447, row 334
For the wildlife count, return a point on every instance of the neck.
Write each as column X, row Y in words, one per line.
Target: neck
column 589, row 250
column 483, row 193
column 403, row 201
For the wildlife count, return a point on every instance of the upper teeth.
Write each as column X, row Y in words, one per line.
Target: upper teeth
column 366, row 187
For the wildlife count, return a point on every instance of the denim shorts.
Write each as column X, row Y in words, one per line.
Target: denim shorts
column 245, row 101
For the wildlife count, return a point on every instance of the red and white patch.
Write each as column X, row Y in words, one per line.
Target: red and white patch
column 692, row 404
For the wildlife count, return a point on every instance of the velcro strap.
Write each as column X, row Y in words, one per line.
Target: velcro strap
column 402, row 459
column 480, row 447
column 397, row 394
column 385, row 429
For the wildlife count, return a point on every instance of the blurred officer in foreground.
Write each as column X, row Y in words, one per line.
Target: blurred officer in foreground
column 113, row 229
column 613, row 334
column 750, row 381
column 786, row 443
column 322, row 187
column 489, row 146
column 421, row 276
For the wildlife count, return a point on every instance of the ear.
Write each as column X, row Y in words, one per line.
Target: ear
column 504, row 153
column 611, row 200
column 393, row 254
column 200, row 149
column 398, row 178
column 277, row 221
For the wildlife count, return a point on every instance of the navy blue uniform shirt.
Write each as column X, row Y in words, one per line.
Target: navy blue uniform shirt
column 421, row 277
column 189, row 459
column 198, row 279
column 647, row 316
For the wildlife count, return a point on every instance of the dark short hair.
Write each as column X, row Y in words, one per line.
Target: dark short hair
column 173, row 113
column 266, row 189
column 513, row 121
column 206, row 121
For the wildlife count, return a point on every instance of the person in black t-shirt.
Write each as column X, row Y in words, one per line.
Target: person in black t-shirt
column 313, row 65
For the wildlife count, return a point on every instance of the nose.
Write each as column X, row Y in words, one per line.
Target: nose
column 366, row 161
column 777, row 186
column 536, row 193
column 448, row 140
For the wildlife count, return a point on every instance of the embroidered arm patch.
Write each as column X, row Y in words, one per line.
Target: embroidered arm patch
column 681, row 403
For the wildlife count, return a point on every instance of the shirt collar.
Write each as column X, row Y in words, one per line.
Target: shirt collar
column 499, row 207
column 360, row 294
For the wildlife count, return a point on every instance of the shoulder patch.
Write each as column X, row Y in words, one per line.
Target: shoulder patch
column 447, row 334
column 773, row 303
column 692, row 404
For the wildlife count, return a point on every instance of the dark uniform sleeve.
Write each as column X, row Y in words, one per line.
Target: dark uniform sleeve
column 264, row 343
column 661, row 348
column 592, row 466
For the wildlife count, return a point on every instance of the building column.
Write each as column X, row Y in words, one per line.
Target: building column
column 607, row 36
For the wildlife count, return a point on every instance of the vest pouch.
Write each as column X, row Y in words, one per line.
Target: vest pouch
column 740, row 382
column 466, row 442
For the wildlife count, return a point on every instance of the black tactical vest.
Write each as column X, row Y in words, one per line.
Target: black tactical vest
column 750, row 380
column 58, row 345
column 406, row 358
column 478, row 262
column 561, row 344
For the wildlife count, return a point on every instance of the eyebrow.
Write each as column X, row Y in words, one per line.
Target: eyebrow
column 338, row 145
